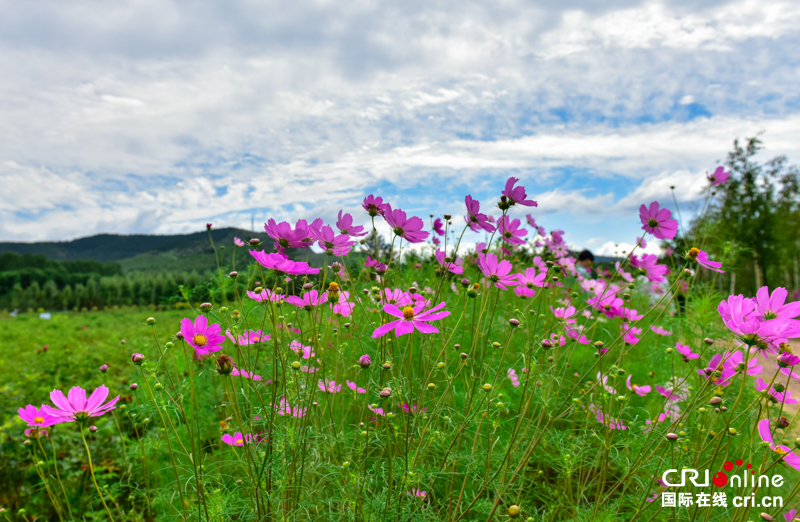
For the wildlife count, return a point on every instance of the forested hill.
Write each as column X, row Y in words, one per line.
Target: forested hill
column 115, row 247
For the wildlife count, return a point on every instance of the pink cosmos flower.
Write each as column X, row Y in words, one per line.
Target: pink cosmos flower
column 247, row 375
column 327, row 240
column 497, row 272
column 517, row 195
column 531, row 221
column 686, row 352
column 236, row 439
column 524, row 292
column 630, row 314
column 309, row 369
column 376, row 410
column 76, row 407
column 564, row 314
column 282, row 264
column 622, row 273
column 329, row 386
column 345, row 226
column 38, row 417
column 512, row 376
column 341, row 306
column 437, row 226
column 719, row 176
column 302, row 351
column 629, row 333
column 660, row 331
column 307, row 301
column 775, row 306
column 413, row 410
column 530, row 279
column 436, row 241
column 202, row 337
column 649, row 266
column 603, row 380
column 765, row 336
column 248, row 338
column 474, row 218
column 610, row 422
column 354, row 387
column 787, row 454
column 283, row 234
column 374, row 206
column 409, row 229
column 718, row 369
column 702, row 260
column 610, row 305
column 238, row 242
column 376, row 265
column 789, row 515
column 265, row 295
column 417, row 493
column 658, row 221
column 293, row 411
column 672, row 394
column 575, row 333
column 409, row 319
column 783, row 395
column 641, row 391
column 510, row 231
column 452, row 266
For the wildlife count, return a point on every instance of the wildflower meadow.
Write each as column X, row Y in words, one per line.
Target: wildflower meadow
column 422, row 379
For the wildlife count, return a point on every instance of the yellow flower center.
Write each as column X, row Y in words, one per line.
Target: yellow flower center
column 693, row 252
column 200, row 340
column 408, row 312
column 333, row 287
column 634, row 386
column 38, row 420
column 780, row 451
column 239, row 441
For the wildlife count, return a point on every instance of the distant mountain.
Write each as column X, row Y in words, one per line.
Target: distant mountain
column 140, row 252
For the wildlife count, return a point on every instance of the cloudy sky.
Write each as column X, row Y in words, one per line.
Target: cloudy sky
column 157, row 116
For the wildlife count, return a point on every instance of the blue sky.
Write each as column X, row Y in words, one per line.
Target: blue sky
column 160, row 116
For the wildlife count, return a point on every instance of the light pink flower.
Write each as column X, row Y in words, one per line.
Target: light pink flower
column 660, row 331
column 452, row 266
column 686, row 352
column 282, row 264
column 76, row 407
column 345, row 226
column 337, row 245
column 248, row 338
column 238, row 242
column 248, row 375
column 510, row 231
column 285, row 409
column 302, row 351
column 265, row 295
column 787, row 454
column 719, row 176
column 774, row 306
column 354, row 387
column 564, row 314
column 512, row 376
column 329, row 386
column 702, row 260
column 307, row 301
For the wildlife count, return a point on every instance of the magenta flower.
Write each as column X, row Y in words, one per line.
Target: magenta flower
column 739, row 315
column 76, row 407
column 672, row 394
column 629, row 333
column 329, row 386
column 452, row 266
column 202, row 337
column 575, row 334
column 512, row 376
column 524, row 292
column 630, row 314
column 702, row 260
column 248, row 338
column 783, row 395
column 302, row 351
column 374, row 206
column 248, row 375
column 413, row 410
column 376, row 410
column 284, row 235
column 510, row 231
column 658, row 221
column 307, row 301
column 409, row 319
column 233, row 440
column 437, row 226
column 650, row 268
column 327, row 240
column 787, row 360
column 417, row 493
column 775, row 306
column 37, row 417
column 622, row 273
column 345, row 226
column 474, row 218
column 354, row 387
column 686, row 352
column 660, row 331
column 531, row 221
column 787, row 454
column 265, row 295
column 719, row 176
column 603, row 380
column 610, row 422
column 497, row 272
column 341, row 306
column 517, row 195
column 641, row 391
column 238, row 242
column 409, row 229
column 282, row 264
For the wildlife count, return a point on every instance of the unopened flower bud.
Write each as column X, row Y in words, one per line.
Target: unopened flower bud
column 599, row 344
column 783, row 422
column 104, row 368
column 151, row 321
column 513, row 322
column 547, row 344
column 448, row 217
column 431, row 386
column 387, row 365
column 93, row 429
column 254, row 242
column 234, row 274
column 365, row 361
column 137, row 359
column 386, row 392
column 672, row 436
column 732, row 431
column 708, row 341
column 308, row 286
column 513, row 511
column 205, row 307
column 766, row 517
column 487, row 387
column 296, row 365
column 134, row 386
column 715, row 401
column 224, row 364
column 465, row 282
